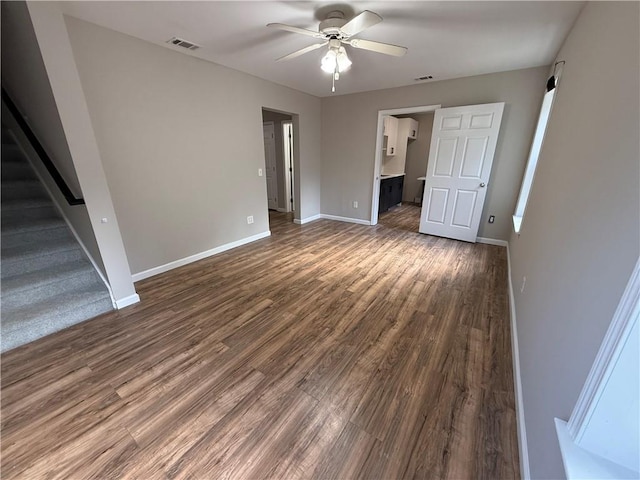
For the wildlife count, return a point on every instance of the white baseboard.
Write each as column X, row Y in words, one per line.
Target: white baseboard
column 281, row 210
column 345, row 219
column 198, row 256
column 523, row 449
column 492, row 241
column 302, row 221
column 126, row 301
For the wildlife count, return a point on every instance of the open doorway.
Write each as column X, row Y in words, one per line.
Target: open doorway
column 393, row 183
column 462, row 147
column 280, row 160
column 405, row 172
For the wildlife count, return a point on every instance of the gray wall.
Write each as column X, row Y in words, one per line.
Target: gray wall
column 277, row 119
column 181, row 144
column 417, row 156
column 580, row 234
column 349, row 125
column 25, row 78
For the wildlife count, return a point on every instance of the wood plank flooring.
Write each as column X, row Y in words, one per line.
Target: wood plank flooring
column 327, row 351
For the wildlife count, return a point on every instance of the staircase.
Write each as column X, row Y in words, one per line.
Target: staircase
column 48, row 283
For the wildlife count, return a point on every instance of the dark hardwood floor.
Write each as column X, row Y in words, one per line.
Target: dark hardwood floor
column 327, row 351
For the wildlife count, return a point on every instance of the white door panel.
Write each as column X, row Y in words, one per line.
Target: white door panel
column 463, row 143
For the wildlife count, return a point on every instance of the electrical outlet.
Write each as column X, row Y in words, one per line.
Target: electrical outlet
column 250, row 219
column 492, row 218
column 524, row 282
column 355, row 204
column 259, row 172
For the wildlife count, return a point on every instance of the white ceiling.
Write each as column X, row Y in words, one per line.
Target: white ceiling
column 445, row 39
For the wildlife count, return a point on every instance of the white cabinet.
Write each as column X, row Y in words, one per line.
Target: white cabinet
column 413, row 129
column 390, row 132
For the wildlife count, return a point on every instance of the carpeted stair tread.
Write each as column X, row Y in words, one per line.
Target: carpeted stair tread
column 16, row 221
column 16, row 171
column 22, row 190
column 36, row 200
column 43, row 318
column 35, row 249
column 46, row 283
column 34, row 263
column 12, row 153
column 43, row 236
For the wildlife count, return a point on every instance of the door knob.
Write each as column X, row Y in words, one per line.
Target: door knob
column 482, row 185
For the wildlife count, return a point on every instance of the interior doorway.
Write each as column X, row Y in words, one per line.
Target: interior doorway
column 279, row 134
column 462, row 145
column 394, row 166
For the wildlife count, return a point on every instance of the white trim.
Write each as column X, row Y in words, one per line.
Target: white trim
column 136, row 277
column 281, row 210
column 619, row 330
column 345, row 219
column 288, row 169
column 580, row 464
column 492, row 241
column 302, row 221
column 523, row 448
column 52, row 197
column 517, row 223
column 377, row 167
column 126, row 301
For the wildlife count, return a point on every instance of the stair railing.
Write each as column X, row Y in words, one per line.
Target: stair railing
column 42, row 154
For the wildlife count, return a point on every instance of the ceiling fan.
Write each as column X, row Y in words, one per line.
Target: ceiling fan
column 336, row 32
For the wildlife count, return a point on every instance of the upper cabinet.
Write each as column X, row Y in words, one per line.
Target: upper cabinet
column 413, row 129
column 390, row 131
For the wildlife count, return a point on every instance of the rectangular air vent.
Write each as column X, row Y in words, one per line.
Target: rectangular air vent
column 179, row 42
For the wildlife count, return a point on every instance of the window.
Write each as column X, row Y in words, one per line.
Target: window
column 532, row 162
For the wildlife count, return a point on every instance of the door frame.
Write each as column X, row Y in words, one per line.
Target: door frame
column 378, row 153
column 288, row 167
column 297, row 189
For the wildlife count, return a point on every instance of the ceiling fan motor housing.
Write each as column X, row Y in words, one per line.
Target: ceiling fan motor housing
column 331, row 26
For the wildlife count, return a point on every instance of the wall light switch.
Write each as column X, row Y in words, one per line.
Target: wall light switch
column 250, row 219
column 355, row 204
column 104, row 220
column 259, row 172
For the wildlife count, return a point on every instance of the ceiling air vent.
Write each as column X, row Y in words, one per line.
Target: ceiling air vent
column 426, row 77
column 179, row 42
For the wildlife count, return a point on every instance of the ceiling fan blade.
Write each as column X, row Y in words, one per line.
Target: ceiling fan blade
column 360, row 22
column 379, row 47
column 290, row 28
column 302, row 51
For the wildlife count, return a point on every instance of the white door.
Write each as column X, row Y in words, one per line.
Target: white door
column 463, row 142
column 270, row 164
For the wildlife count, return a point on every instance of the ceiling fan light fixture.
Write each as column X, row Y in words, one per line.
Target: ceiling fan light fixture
column 344, row 63
column 329, row 62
